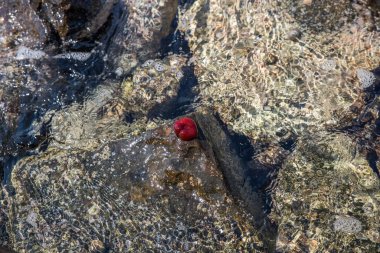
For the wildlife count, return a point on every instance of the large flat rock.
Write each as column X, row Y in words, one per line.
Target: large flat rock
column 151, row 192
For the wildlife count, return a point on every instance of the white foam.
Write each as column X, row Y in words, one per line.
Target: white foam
column 24, row 53
column 366, row 78
column 79, row 56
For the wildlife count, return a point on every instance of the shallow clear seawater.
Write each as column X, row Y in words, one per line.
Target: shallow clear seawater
column 64, row 86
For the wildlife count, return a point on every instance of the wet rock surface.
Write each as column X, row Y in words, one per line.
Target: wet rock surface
column 116, row 109
column 154, row 85
column 27, row 27
column 121, row 197
column 50, row 59
column 139, row 40
column 329, row 194
column 280, row 73
column 51, row 63
column 290, row 163
column 268, row 74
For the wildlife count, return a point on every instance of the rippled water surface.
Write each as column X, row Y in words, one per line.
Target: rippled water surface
column 285, row 95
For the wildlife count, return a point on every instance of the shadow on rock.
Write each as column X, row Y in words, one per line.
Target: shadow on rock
column 246, row 178
column 141, row 193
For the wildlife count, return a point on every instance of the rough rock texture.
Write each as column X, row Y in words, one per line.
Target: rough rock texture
column 73, row 19
column 116, row 110
column 297, row 77
column 86, row 126
column 152, row 192
column 24, row 28
column 154, row 83
column 41, row 68
column 285, row 73
column 327, row 198
column 44, row 83
column 271, row 68
column 49, row 24
column 139, row 39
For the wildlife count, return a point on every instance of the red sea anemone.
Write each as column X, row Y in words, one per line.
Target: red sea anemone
column 185, row 129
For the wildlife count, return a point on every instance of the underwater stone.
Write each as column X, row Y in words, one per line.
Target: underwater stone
column 27, row 53
column 327, row 176
column 304, row 91
column 139, row 38
column 153, row 85
column 293, row 35
column 146, row 192
column 347, row 224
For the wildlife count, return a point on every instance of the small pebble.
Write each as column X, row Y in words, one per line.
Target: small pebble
column 293, row 35
column 347, row 224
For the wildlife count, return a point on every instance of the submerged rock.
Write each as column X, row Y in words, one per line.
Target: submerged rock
column 116, row 110
column 139, row 39
column 86, row 126
column 347, row 224
column 20, row 24
column 244, row 60
column 74, row 20
column 327, row 198
column 108, row 183
column 239, row 177
column 153, row 85
column 290, row 71
column 49, row 24
column 50, row 60
column 151, row 192
column 51, row 65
